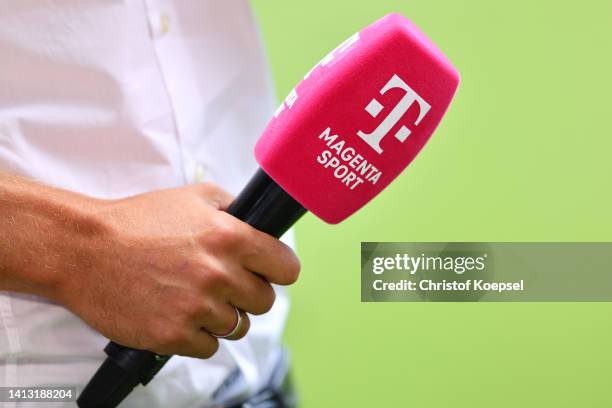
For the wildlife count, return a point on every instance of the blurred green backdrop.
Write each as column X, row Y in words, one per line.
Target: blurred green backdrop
column 523, row 155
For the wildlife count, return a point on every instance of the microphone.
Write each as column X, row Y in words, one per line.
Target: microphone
column 355, row 122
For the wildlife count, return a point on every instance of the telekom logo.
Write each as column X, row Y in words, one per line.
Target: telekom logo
column 374, row 108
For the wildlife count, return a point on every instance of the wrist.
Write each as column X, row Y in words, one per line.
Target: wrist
column 82, row 233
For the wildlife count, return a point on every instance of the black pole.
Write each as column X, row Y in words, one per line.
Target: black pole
column 262, row 204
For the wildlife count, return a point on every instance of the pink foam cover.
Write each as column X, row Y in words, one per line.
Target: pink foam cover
column 358, row 118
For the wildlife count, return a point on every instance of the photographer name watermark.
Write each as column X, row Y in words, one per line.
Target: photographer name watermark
column 472, row 271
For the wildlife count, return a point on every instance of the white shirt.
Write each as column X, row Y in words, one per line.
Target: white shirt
column 115, row 98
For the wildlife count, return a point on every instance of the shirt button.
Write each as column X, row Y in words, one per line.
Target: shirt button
column 160, row 24
column 164, row 23
column 199, row 174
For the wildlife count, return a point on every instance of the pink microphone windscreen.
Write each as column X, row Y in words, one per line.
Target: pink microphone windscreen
column 358, row 118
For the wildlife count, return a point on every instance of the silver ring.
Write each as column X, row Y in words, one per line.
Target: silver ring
column 236, row 329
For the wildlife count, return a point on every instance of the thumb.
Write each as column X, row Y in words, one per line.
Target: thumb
column 215, row 195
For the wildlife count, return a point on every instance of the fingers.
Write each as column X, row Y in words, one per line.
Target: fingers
column 257, row 251
column 239, row 329
column 222, row 319
column 246, row 326
column 270, row 258
column 250, row 292
column 201, row 344
column 204, row 344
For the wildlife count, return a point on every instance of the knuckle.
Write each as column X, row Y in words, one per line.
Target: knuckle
column 196, row 307
column 170, row 338
column 215, row 277
column 225, row 232
column 267, row 299
column 210, row 349
column 270, row 299
column 292, row 269
column 206, row 309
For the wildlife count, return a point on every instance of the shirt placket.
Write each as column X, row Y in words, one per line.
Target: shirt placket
column 162, row 25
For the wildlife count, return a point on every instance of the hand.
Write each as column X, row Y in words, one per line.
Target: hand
column 168, row 269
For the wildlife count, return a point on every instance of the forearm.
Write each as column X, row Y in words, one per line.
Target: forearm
column 43, row 234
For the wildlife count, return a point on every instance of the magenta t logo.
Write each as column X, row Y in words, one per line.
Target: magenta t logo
column 374, row 108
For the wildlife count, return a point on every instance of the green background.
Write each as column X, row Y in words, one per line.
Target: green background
column 523, row 155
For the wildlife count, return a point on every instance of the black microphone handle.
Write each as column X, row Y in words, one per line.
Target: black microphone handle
column 262, row 204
